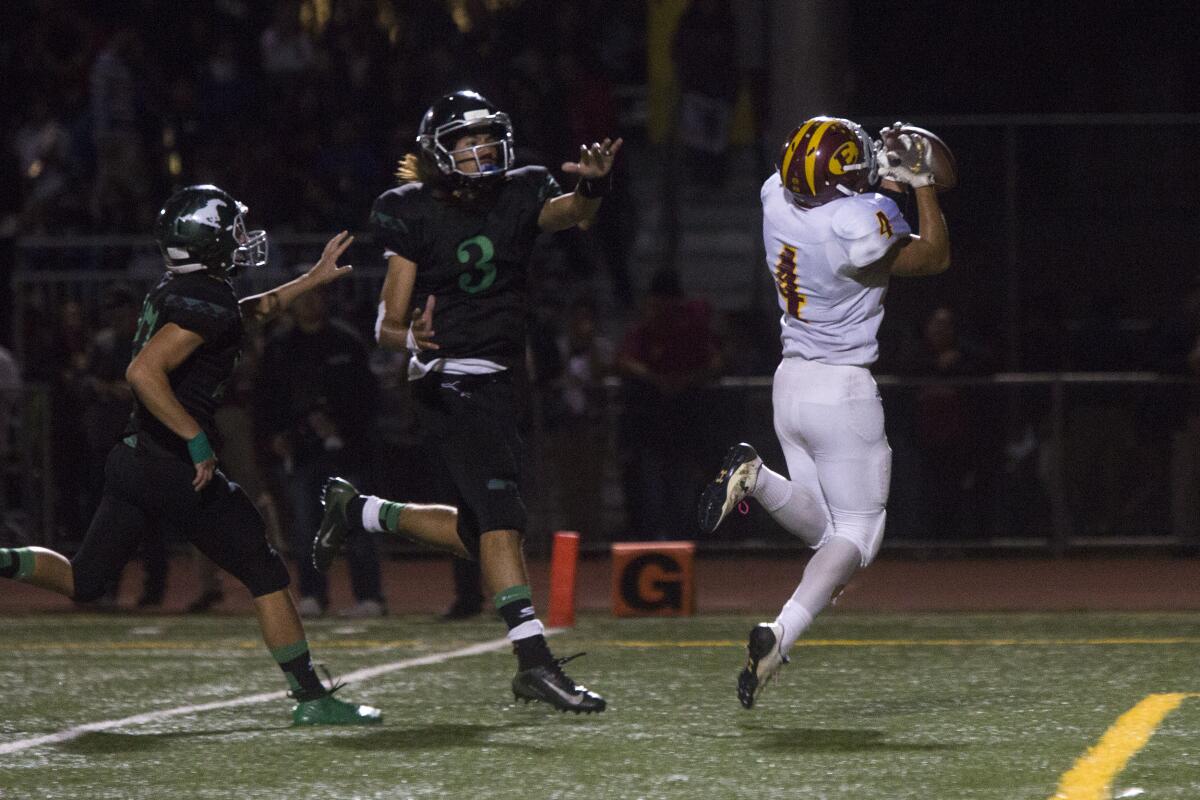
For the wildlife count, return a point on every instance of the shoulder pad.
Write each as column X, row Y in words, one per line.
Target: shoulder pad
column 388, row 207
column 398, row 196
column 772, row 185
column 867, row 226
column 539, row 179
column 855, row 217
column 534, row 171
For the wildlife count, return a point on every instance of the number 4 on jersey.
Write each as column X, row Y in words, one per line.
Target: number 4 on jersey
column 785, row 279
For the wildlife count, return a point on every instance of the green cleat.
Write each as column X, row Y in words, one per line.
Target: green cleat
column 328, row 710
column 335, row 527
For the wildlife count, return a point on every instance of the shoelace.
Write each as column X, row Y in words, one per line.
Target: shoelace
column 334, row 685
column 556, row 667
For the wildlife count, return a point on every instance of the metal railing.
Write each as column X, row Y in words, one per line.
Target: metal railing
column 1047, row 461
column 1051, row 461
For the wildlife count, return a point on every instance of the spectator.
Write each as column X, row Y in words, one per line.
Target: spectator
column 316, row 401
column 667, row 359
column 42, row 146
column 575, row 421
column 947, row 424
column 120, row 198
column 287, row 50
column 705, row 57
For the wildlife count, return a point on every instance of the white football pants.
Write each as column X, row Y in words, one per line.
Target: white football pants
column 829, row 420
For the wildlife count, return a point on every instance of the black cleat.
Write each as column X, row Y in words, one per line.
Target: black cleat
column 738, row 476
column 335, row 527
column 763, row 661
column 550, row 684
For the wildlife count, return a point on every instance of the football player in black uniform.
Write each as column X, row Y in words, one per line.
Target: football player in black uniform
column 457, row 233
column 163, row 473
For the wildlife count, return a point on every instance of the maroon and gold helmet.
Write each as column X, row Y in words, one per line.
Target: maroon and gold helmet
column 827, row 158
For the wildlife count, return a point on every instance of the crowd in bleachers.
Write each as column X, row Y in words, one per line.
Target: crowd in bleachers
column 301, row 110
column 298, row 108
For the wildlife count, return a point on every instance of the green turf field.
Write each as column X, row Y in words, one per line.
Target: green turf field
column 936, row 707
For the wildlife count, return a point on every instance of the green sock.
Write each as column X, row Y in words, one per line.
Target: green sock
column 17, row 563
column 512, row 593
column 296, row 663
column 389, row 516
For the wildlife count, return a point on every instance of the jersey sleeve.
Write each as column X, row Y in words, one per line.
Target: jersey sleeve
column 540, row 186
column 395, row 225
column 212, row 317
column 868, row 227
column 534, row 187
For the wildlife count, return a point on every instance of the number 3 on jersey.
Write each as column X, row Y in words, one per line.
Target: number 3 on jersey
column 469, row 282
column 785, row 279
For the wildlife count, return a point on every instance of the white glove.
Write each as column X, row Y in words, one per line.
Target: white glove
column 909, row 162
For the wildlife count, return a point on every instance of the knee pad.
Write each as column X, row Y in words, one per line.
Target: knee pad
column 501, row 508
column 864, row 530
column 264, row 575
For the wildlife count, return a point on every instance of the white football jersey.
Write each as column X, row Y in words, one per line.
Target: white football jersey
column 831, row 306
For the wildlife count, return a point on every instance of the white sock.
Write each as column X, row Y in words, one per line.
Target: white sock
column 370, row 513
column 827, row 571
column 526, row 630
column 793, row 506
column 795, row 620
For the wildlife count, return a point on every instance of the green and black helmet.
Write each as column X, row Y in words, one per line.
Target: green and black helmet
column 455, row 116
column 201, row 228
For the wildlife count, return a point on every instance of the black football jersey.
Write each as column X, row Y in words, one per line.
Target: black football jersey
column 472, row 258
column 206, row 306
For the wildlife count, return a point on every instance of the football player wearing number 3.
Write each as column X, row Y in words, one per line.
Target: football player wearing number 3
column 831, row 244
column 457, row 234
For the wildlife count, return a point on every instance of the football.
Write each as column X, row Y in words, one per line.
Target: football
column 945, row 168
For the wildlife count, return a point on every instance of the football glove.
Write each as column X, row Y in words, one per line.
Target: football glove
column 908, row 163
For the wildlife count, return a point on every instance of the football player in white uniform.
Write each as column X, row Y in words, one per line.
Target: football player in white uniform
column 831, row 244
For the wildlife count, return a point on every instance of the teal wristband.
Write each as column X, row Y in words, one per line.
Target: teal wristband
column 199, row 448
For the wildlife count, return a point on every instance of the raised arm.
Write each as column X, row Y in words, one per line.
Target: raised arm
column 929, row 253
column 326, row 270
column 593, row 168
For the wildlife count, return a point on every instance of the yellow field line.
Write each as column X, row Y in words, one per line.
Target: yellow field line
column 909, row 642
column 1092, row 776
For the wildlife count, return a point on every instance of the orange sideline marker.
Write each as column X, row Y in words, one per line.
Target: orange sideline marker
column 564, row 556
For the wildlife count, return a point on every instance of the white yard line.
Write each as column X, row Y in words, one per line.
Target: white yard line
column 350, row 677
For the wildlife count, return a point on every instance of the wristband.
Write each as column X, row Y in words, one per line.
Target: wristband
column 199, row 448
column 594, row 188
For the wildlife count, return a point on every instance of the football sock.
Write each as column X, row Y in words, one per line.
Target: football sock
column 297, row 666
column 515, row 605
column 374, row 513
column 795, row 507
column 827, row 572
column 354, row 512
column 16, row 562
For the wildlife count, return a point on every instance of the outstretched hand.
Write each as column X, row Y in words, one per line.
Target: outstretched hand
column 595, row 161
column 421, row 330
column 327, row 270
